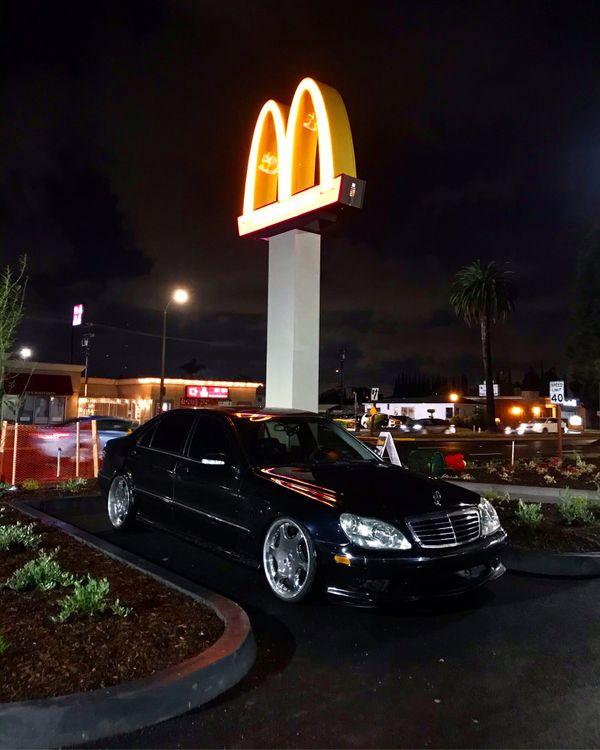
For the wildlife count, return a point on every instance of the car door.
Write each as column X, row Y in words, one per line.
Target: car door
column 207, row 498
column 153, row 460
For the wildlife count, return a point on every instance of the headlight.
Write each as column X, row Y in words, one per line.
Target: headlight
column 490, row 522
column 417, row 427
column 371, row 533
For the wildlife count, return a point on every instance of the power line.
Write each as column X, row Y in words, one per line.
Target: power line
column 62, row 321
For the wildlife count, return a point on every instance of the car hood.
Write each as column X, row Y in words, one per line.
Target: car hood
column 371, row 489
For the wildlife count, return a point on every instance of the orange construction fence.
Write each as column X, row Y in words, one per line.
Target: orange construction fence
column 48, row 454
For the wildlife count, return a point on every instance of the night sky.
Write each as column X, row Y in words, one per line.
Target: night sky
column 124, row 133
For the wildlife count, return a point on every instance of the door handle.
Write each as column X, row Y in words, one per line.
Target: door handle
column 162, row 468
column 183, row 469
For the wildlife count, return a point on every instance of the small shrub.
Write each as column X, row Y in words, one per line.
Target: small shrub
column 498, row 499
column 16, row 534
column 89, row 597
column 72, row 485
column 43, row 574
column 529, row 514
column 30, row 484
column 575, row 509
column 549, row 479
column 4, row 487
column 3, row 644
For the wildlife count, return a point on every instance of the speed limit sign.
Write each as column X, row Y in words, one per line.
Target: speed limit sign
column 557, row 391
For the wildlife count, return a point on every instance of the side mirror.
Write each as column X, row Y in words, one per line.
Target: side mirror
column 215, row 459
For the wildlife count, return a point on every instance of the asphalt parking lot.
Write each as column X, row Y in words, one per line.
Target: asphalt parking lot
column 514, row 666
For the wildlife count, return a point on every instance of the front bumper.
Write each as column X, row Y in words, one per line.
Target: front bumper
column 373, row 578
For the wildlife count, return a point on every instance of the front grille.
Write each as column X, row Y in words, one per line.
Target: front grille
column 446, row 529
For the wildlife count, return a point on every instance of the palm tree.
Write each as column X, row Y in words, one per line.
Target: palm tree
column 482, row 294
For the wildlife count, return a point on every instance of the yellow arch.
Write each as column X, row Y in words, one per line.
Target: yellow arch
column 317, row 117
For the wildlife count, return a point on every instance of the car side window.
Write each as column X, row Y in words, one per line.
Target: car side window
column 172, row 431
column 210, row 436
column 146, row 438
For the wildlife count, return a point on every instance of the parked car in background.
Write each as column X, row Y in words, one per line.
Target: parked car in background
column 298, row 497
column 432, row 426
column 64, row 435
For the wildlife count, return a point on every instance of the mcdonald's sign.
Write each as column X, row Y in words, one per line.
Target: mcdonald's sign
column 286, row 186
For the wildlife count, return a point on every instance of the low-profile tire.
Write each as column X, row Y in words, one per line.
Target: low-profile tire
column 120, row 503
column 289, row 560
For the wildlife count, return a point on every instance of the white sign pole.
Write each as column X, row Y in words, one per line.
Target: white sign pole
column 557, row 397
column 293, row 321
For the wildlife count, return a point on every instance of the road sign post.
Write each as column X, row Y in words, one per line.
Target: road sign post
column 557, row 398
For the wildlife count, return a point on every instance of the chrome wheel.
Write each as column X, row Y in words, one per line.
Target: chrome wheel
column 289, row 560
column 119, row 502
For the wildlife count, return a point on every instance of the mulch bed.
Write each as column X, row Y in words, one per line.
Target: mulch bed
column 45, row 659
column 552, row 535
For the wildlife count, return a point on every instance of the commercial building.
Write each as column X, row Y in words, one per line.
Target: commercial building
column 49, row 393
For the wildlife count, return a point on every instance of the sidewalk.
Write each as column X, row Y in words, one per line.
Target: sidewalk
column 525, row 492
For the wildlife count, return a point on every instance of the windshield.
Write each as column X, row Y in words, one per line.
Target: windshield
column 280, row 441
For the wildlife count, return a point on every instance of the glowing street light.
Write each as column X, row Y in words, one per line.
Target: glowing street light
column 25, row 353
column 180, row 297
column 454, row 397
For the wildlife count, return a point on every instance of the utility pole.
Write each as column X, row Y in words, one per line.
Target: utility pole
column 86, row 343
column 342, row 356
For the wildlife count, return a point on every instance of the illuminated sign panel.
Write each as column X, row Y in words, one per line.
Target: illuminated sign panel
column 77, row 315
column 283, row 179
column 206, row 391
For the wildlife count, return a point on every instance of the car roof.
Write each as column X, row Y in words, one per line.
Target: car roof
column 242, row 411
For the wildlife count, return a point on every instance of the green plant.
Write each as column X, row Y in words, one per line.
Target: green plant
column 4, row 487
column 72, row 485
column 42, row 573
column 529, row 514
column 89, row 597
column 30, row 484
column 575, row 508
column 498, row 499
column 3, row 644
column 16, row 534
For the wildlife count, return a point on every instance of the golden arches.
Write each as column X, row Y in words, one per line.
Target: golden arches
column 283, row 159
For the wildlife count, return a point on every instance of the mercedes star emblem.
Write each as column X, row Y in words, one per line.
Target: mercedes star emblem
column 437, row 498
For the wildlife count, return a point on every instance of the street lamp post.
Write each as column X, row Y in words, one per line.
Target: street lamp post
column 180, row 296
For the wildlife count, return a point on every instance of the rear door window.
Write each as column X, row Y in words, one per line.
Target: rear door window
column 210, row 436
column 172, row 431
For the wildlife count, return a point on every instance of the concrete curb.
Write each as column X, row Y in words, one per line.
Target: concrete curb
column 83, row 717
column 566, row 564
column 524, row 491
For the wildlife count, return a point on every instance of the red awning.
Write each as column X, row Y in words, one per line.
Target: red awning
column 55, row 385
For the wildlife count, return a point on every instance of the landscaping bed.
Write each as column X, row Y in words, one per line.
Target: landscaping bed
column 145, row 627
column 573, row 472
column 572, row 525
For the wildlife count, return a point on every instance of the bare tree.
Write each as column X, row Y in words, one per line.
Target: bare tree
column 12, row 296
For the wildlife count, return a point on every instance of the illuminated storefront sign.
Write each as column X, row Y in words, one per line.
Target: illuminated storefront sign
column 77, row 315
column 281, row 180
column 206, row 391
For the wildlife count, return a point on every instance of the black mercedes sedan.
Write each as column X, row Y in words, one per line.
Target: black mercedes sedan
column 298, row 496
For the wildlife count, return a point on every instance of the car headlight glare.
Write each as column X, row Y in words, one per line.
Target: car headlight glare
column 490, row 523
column 372, row 533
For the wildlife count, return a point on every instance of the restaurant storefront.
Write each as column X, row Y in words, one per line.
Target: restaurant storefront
column 47, row 393
column 41, row 392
